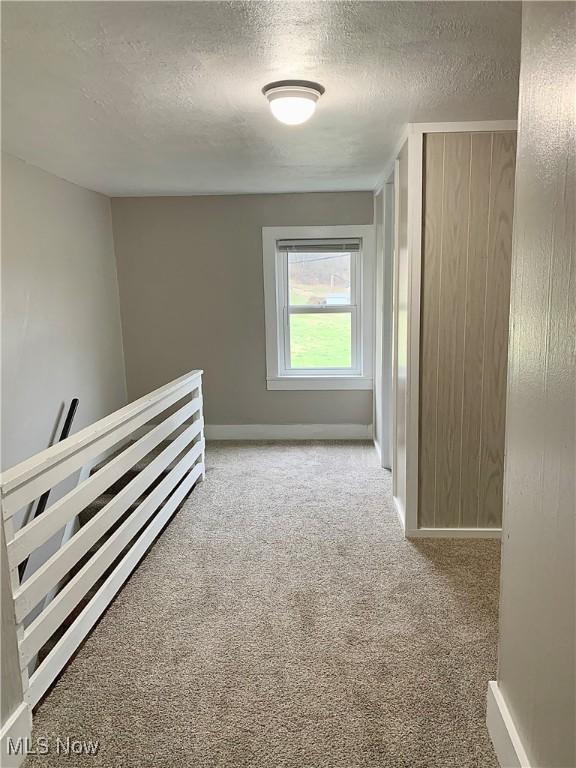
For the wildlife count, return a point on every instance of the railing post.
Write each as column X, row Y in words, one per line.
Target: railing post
column 197, row 392
column 16, row 714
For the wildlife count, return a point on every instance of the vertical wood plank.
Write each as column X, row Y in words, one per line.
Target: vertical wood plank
column 451, row 327
column 476, row 280
column 431, row 268
column 496, row 330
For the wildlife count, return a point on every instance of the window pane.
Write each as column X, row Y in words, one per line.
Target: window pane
column 321, row 340
column 319, row 279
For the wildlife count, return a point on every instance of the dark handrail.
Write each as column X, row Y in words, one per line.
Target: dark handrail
column 44, row 498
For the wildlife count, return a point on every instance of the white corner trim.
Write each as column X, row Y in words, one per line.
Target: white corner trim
column 378, row 450
column 18, row 730
column 388, row 171
column 471, row 126
column 288, row 431
column 414, row 225
column 319, row 382
column 505, row 738
column 401, row 514
column 454, row 533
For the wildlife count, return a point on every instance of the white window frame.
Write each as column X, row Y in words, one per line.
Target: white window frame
column 278, row 374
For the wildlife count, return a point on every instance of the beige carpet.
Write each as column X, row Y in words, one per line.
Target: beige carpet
column 281, row 621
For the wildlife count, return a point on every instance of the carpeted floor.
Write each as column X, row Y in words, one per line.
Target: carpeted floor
column 281, row 621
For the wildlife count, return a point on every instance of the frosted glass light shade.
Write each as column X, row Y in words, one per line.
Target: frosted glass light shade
column 293, row 101
column 293, row 110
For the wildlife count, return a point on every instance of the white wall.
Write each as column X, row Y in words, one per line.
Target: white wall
column 536, row 671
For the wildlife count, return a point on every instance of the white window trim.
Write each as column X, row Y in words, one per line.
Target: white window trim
column 276, row 375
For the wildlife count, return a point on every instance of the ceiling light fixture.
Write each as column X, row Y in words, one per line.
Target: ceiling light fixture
column 293, row 101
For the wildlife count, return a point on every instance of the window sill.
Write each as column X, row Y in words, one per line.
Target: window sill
column 320, row 382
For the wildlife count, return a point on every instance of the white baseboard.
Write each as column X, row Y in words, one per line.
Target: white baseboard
column 288, row 431
column 16, row 733
column 507, row 744
column 454, row 533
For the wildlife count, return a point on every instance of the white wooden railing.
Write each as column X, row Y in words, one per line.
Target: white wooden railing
column 172, row 417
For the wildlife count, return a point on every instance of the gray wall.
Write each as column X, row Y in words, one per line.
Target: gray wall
column 190, row 271
column 537, row 636
column 61, row 332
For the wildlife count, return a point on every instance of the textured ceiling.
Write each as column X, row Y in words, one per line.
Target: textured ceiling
column 164, row 98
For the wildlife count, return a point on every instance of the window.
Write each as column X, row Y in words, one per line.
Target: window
column 318, row 284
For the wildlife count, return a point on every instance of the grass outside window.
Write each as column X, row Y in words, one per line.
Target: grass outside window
column 321, row 340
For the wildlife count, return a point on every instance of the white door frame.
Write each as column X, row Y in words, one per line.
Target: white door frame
column 394, row 460
column 387, row 320
column 384, row 320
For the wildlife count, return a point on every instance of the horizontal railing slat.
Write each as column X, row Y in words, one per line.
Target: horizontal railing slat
column 20, row 472
column 56, row 567
column 63, row 650
column 28, row 480
column 50, row 619
column 65, row 509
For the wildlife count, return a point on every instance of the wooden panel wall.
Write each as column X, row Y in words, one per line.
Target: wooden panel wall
column 468, row 204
